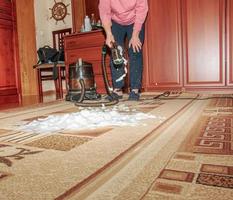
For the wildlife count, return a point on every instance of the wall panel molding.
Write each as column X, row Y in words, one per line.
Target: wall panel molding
column 163, row 67
column 229, row 42
column 9, row 85
column 204, row 42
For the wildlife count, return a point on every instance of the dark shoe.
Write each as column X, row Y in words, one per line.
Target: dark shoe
column 114, row 96
column 134, row 96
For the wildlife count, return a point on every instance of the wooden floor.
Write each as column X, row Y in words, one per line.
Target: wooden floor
column 29, row 100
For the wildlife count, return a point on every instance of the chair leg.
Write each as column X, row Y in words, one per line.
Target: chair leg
column 57, row 89
column 40, row 89
column 60, row 82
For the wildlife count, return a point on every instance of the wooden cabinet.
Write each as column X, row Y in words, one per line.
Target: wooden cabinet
column 162, row 52
column 9, row 87
column 204, row 42
column 187, row 45
column 87, row 46
column 229, row 29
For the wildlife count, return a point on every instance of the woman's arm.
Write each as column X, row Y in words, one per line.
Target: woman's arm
column 141, row 13
column 105, row 16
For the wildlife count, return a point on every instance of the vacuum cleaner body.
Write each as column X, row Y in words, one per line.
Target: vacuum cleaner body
column 81, row 85
column 81, row 71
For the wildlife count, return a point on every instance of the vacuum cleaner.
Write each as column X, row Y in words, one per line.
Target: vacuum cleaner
column 81, row 85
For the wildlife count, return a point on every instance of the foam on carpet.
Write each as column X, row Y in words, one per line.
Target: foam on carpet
column 89, row 118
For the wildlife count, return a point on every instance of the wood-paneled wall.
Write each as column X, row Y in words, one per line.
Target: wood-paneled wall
column 80, row 8
column 189, row 45
column 204, row 42
column 7, row 75
column 162, row 52
column 229, row 29
column 78, row 14
column 9, row 84
column 92, row 7
column 27, row 46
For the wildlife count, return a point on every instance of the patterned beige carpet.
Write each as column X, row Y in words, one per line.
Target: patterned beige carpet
column 188, row 155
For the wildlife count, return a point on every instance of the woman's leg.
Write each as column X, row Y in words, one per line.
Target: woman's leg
column 135, row 61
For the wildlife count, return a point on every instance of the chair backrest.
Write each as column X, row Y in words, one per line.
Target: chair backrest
column 58, row 41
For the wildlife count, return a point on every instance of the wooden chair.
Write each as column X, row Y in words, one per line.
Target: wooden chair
column 45, row 71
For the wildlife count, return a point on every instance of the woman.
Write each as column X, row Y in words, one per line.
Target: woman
column 122, row 18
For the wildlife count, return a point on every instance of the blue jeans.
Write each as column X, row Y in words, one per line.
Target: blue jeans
column 135, row 58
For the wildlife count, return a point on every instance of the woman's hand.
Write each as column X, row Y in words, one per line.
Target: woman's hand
column 109, row 40
column 109, row 36
column 135, row 42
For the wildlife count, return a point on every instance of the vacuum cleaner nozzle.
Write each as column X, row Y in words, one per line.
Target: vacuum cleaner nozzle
column 117, row 54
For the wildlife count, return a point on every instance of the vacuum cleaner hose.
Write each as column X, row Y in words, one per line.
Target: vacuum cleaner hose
column 106, row 83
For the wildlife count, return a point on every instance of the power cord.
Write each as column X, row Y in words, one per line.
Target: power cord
column 166, row 96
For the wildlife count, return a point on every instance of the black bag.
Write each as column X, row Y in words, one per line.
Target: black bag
column 56, row 58
column 47, row 54
column 60, row 56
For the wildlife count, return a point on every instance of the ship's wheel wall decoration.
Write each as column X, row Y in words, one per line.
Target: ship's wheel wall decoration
column 59, row 11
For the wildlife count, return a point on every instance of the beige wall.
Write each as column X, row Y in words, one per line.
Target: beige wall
column 34, row 28
column 45, row 25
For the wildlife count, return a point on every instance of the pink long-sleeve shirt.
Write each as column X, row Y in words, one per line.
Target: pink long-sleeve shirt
column 124, row 12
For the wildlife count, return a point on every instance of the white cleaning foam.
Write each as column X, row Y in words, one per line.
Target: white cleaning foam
column 88, row 118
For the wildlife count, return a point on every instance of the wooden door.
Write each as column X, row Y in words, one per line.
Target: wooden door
column 204, row 39
column 9, row 89
column 162, row 52
column 230, row 42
